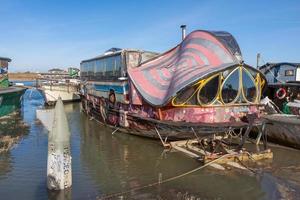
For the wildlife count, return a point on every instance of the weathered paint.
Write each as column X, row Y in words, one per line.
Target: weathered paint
column 10, row 100
column 283, row 129
column 208, row 115
column 59, row 167
column 145, row 104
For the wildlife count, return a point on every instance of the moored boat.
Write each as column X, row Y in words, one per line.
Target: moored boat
column 283, row 85
column 283, row 97
column 63, row 84
column 10, row 97
column 283, row 129
column 200, row 87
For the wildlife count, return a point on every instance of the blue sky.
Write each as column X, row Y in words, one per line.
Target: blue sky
column 41, row 34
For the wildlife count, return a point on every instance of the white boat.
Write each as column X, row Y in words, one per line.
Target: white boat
column 54, row 86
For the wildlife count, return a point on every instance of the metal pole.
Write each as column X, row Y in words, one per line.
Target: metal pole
column 257, row 60
column 183, row 31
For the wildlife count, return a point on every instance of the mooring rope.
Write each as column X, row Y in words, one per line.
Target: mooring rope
column 164, row 181
column 246, row 167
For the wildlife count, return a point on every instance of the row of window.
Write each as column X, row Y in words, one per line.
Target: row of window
column 240, row 85
column 109, row 66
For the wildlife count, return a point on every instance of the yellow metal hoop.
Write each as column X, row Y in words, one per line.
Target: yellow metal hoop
column 258, row 81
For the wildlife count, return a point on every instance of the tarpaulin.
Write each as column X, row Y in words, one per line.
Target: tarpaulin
column 198, row 55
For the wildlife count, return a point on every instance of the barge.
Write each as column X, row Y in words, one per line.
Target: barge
column 200, row 87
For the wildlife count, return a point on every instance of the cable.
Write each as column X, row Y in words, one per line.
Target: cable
column 164, row 181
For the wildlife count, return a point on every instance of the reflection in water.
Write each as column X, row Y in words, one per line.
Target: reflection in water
column 5, row 164
column 104, row 164
column 120, row 162
column 12, row 130
column 65, row 194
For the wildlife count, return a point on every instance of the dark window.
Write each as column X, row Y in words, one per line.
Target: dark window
column 231, row 87
column 209, row 92
column 83, row 70
column 109, row 66
column 99, row 69
column 289, row 72
column 89, row 69
column 185, row 95
column 249, row 87
column 118, row 66
column 104, row 64
column 252, row 72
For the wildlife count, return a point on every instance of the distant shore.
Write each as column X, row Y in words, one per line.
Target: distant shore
column 21, row 76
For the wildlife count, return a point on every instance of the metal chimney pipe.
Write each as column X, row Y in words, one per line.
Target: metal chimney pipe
column 257, row 60
column 183, row 30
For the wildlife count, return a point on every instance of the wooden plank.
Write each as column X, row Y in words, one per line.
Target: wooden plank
column 202, row 152
column 189, row 153
column 242, row 157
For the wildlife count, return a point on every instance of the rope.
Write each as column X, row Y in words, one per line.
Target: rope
column 250, row 169
column 164, row 181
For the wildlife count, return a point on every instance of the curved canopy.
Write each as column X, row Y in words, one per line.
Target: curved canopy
column 201, row 53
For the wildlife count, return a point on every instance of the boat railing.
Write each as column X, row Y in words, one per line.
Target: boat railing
column 59, row 83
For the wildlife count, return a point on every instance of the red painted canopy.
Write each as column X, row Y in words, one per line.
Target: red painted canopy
column 201, row 53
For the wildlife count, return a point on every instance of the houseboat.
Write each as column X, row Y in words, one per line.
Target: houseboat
column 283, row 85
column 10, row 97
column 201, row 86
column 59, row 83
column 283, row 89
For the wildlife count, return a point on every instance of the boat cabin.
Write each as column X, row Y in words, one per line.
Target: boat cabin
column 4, row 82
column 113, row 64
column 108, row 72
column 283, row 85
column 281, row 72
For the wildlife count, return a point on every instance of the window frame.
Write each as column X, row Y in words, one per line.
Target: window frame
column 255, row 82
column 203, row 85
column 239, row 87
column 258, row 81
column 289, row 70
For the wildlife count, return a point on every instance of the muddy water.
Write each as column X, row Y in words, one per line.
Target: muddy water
column 105, row 164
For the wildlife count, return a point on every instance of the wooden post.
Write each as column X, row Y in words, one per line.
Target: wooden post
column 59, row 168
